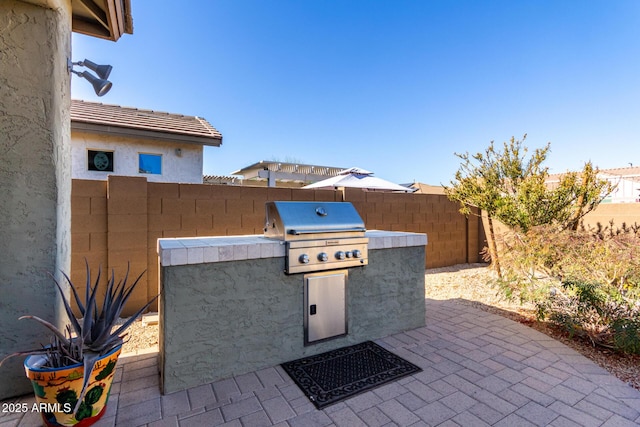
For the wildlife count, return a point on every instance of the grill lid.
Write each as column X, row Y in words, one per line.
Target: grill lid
column 308, row 220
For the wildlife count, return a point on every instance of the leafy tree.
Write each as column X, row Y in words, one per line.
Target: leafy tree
column 513, row 189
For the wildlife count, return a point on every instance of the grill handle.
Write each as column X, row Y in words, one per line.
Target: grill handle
column 324, row 230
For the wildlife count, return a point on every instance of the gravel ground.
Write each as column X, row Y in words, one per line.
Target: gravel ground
column 469, row 284
column 142, row 336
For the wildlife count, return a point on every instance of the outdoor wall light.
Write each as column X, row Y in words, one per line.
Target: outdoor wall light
column 100, row 83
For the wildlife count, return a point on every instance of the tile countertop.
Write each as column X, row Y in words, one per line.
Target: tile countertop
column 199, row 250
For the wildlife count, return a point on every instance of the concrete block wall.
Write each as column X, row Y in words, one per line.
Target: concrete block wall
column 118, row 222
column 127, row 225
column 628, row 213
column 88, row 230
column 453, row 238
column 619, row 213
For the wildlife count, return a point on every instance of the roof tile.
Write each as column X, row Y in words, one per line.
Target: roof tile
column 146, row 120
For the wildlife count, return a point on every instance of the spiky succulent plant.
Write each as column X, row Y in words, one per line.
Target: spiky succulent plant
column 87, row 339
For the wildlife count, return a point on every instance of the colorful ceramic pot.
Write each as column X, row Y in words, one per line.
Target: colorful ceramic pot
column 57, row 390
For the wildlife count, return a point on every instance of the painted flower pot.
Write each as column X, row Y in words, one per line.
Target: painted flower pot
column 57, row 390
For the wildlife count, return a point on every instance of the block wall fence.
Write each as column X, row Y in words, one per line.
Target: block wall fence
column 619, row 213
column 118, row 222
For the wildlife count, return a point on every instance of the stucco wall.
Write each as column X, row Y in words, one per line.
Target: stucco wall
column 35, row 200
column 185, row 168
column 228, row 318
column 625, row 191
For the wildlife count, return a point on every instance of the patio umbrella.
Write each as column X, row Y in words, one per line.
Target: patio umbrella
column 358, row 178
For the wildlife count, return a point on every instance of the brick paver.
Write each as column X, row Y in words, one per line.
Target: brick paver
column 478, row 369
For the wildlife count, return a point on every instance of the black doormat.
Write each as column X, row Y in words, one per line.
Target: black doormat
column 336, row 375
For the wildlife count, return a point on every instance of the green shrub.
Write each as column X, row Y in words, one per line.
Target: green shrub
column 594, row 311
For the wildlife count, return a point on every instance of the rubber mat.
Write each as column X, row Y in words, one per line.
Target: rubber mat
column 337, row 375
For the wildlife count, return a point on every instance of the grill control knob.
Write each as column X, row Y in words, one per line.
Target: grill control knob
column 349, row 254
column 340, row 255
column 304, row 259
column 357, row 253
column 322, row 256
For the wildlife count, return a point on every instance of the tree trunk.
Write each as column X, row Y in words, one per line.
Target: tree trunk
column 575, row 219
column 493, row 247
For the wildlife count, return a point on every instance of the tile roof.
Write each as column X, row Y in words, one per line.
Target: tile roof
column 627, row 172
column 127, row 121
column 421, row 188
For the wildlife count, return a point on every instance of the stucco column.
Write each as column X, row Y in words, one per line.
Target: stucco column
column 35, row 174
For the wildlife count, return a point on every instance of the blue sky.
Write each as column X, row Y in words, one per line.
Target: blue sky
column 395, row 87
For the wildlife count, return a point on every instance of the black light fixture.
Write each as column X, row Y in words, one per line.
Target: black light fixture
column 100, row 83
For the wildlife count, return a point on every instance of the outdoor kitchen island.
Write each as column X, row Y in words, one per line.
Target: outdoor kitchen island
column 228, row 308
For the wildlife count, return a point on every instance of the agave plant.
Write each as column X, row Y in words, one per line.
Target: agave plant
column 85, row 340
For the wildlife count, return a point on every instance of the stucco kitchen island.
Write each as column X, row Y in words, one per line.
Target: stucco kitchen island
column 227, row 307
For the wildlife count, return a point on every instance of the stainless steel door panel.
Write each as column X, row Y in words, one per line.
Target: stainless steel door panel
column 325, row 305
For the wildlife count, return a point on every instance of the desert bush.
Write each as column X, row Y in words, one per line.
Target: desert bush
column 595, row 311
column 586, row 255
column 510, row 186
column 586, row 281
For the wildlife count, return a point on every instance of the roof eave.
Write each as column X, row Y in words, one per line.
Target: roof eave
column 144, row 134
column 109, row 23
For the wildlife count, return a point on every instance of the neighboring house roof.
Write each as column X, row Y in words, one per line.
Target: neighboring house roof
column 222, row 179
column 631, row 173
column 133, row 122
column 626, row 183
column 287, row 171
column 421, row 188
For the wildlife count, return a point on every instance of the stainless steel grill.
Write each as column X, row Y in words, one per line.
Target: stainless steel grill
column 318, row 235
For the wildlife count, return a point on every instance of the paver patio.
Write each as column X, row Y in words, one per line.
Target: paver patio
column 479, row 369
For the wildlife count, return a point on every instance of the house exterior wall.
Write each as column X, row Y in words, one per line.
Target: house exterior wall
column 625, row 191
column 35, row 208
column 183, row 168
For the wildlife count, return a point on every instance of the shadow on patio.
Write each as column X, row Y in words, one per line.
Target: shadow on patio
column 478, row 369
